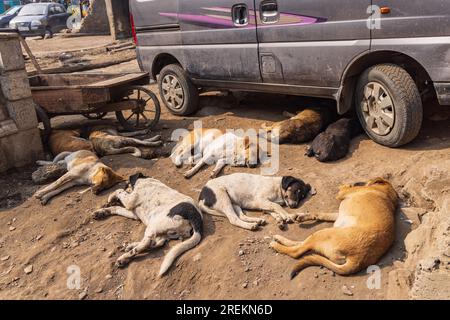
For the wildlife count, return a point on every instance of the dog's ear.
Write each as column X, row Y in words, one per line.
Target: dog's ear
column 134, row 178
column 287, row 181
column 307, row 189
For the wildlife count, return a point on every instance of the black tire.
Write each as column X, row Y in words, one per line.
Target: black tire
column 405, row 114
column 45, row 120
column 189, row 104
column 48, row 32
column 124, row 119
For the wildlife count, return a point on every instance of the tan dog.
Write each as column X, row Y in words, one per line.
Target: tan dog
column 84, row 168
column 197, row 140
column 363, row 231
column 303, row 127
column 110, row 142
column 68, row 141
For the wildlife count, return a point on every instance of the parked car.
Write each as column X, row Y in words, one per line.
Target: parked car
column 8, row 15
column 383, row 60
column 40, row 19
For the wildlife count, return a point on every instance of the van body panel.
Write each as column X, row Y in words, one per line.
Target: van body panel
column 216, row 48
column 311, row 36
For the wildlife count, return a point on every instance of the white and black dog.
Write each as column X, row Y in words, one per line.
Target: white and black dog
column 229, row 195
column 167, row 214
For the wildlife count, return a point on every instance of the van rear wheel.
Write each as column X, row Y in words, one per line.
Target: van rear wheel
column 177, row 91
column 389, row 105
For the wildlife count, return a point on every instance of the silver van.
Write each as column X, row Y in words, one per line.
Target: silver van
column 382, row 57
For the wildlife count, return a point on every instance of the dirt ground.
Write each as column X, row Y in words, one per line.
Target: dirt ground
column 40, row 246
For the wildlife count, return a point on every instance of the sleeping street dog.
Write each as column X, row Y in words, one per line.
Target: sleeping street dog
column 194, row 142
column 230, row 195
column 68, row 141
column 83, row 168
column 364, row 230
column 166, row 213
column 303, row 127
column 228, row 149
column 109, row 142
column 334, row 143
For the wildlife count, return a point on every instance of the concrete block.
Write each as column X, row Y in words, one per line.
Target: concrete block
column 23, row 113
column 7, row 128
column 11, row 56
column 22, row 148
column 15, row 85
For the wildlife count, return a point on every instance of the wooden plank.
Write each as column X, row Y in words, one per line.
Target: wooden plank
column 117, row 81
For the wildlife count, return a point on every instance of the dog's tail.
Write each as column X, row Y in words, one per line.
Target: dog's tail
column 208, row 210
column 193, row 215
column 178, row 250
column 317, row 260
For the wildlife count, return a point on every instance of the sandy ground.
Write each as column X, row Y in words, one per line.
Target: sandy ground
column 41, row 247
column 59, row 43
column 229, row 263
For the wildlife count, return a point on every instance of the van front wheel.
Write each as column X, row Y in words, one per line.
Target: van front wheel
column 389, row 105
column 177, row 91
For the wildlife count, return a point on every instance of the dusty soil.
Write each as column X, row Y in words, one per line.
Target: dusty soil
column 78, row 51
column 229, row 263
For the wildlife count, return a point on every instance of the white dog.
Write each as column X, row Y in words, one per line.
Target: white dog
column 228, row 149
column 229, row 195
column 167, row 214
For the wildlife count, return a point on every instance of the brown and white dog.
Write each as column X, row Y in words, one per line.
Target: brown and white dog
column 84, row 168
column 196, row 141
column 110, row 142
column 68, row 141
column 303, row 127
column 364, row 230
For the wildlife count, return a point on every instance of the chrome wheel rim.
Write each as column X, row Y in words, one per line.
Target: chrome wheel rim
column 172, row 91
column 378, row 109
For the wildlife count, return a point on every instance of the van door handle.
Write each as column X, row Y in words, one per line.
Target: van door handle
column 239, row 14
column 269, row 11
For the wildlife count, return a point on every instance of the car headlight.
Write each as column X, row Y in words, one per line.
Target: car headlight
column 36, row 23
column 12, row 25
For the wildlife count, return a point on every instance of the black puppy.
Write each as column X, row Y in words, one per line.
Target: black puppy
column 333, row 144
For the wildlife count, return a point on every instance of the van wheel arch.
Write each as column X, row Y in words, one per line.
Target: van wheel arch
column 345, row 96
column 161, row 61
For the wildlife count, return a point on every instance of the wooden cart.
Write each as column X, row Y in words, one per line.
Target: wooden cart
column 94, row 95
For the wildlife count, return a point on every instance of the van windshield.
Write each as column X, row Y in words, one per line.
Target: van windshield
column 34, row 10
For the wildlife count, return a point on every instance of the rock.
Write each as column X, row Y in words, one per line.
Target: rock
column 346, row 291
column 429, row 264
column 241, row 252
column 99, row 290
column 39, row 237
column 82, row 295
column 5, row 258
column 12, row 228
column 197, row 257
column 108, row 276
column 248, row 269
column 255, row 283
column 48, row 173
column 28, row 269
column 245, row 285
column 316, row 275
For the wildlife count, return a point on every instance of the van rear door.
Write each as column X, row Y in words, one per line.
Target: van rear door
column 219, row 39
column 310, row 42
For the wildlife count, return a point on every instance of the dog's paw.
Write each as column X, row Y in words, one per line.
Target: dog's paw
column 261, row 222
column 274, row 245
column 277, row 238
column 301, row 217
column 130, row 247
column 187, row 175
column 122, row 262
column 44, row 201
column 254, row 226
column 101, row 214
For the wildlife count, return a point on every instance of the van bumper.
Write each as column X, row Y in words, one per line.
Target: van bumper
column 443, row 93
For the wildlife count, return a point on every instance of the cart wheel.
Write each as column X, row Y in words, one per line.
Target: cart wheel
column 43, row 117
column 95, row 116
column 146, row 116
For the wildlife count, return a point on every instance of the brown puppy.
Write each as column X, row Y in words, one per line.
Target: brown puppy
column 68, row 141
column 83, row 168
column 109, row 142
column 303, row 127
column 363, row 231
